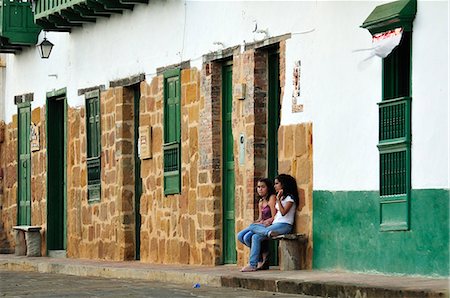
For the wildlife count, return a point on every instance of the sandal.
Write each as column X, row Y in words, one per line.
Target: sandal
column 264, row 265
column 248, row 268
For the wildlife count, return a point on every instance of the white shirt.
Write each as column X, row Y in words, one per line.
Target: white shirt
column 289, row 216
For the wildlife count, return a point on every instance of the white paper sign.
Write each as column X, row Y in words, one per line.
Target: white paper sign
column 384, row 43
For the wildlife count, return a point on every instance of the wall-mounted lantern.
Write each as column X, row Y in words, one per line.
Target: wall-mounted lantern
column 45, row 48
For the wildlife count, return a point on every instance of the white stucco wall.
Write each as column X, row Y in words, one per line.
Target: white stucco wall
column 340, row 87
column 430, row 93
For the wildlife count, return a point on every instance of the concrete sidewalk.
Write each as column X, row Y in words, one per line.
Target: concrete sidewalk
column 314, row 283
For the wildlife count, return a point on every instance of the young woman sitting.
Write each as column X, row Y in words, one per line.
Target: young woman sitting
column 266, row 206
column 286, row 205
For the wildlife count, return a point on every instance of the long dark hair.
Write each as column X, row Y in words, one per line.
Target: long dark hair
column 289, row 185
column 269, row 184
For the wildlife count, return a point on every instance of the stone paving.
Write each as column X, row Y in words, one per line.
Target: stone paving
column 35, row 284
column 314, row 283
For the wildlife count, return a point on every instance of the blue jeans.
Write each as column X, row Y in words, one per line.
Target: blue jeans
column 260, row 234
column 245, row 236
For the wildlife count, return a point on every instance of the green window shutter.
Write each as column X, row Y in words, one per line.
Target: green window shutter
column 393, row 172
column 172, row 168
column 395, row 115
column 172, row 132
column 394, row 121
column 395, row 163
column 93, row 140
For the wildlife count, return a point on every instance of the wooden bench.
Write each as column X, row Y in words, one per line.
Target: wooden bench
column 292, row 251
column 28, row 241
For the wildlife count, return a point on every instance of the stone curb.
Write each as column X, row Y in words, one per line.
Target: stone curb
column 170, row 276
column 326, row 289
column 287, row 286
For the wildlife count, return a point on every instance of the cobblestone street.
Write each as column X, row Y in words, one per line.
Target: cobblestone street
column 32, row 284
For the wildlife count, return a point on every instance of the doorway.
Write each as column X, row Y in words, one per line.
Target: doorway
column 228, row 180
column 137, row 172
column 273, row 114
column 56, row 173
column 273, row 123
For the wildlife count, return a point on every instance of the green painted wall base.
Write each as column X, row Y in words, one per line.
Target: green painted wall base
column 347, row 234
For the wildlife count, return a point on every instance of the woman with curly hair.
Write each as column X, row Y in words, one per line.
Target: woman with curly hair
column 286, row 205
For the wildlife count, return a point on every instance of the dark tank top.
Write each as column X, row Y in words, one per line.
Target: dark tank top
column 266, row 213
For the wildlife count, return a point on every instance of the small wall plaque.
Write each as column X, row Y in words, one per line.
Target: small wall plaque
column 296, row 105
column 241, row 91
column 145, row 142
column 34, row 137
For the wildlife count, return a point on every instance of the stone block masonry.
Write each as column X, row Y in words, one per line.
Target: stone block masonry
column 8, row 196
column 39, row 175
column 181, row 228
column 185, row 228
column 8, row 165
column 104, row 229
column 5, row 246
column 295, row 157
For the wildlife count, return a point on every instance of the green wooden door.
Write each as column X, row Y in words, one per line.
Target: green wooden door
column 56, row 174
column 24, row 165
column 228, row 182
column 273, row 122
column 137, row 173
column 172, row 132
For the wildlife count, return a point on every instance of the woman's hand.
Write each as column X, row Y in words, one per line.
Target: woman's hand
column 283, row 209
column 280, row 195
column 267, row 222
